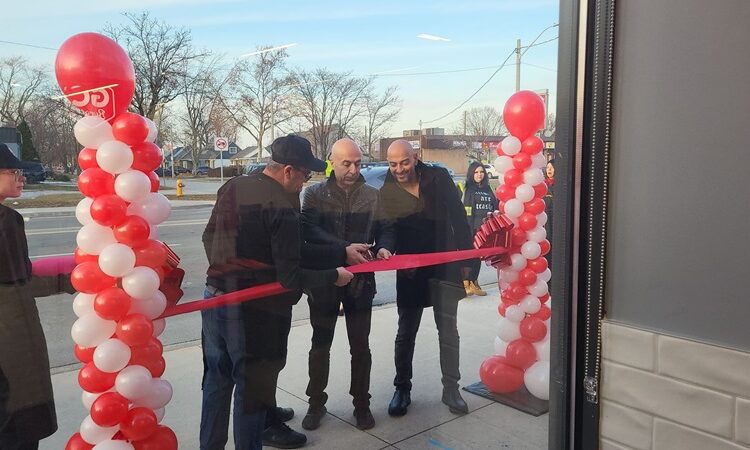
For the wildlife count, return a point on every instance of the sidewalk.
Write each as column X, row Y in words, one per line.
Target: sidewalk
column 428, row 424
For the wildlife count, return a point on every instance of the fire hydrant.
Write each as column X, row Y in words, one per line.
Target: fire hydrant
column 180, row 186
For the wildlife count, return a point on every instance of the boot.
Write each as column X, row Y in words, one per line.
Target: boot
column 313, row 417
column 456, row 404
column 468, row 288
column 477, row 289
column 399, row 403
column 281, row 436
column 365, row 421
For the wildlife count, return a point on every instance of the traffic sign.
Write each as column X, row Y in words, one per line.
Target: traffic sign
column 220, row 144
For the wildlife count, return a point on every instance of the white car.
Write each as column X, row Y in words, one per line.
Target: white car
column 491, row 171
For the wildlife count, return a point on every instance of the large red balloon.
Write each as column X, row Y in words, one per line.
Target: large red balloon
column 84, row 354
column 112, row 303
column 154, row 178
column 520, row 353
column 535, row 206
column 98, row 71
column 146, row 156
column 162, row 439
column 108, row 210
column 76, row 442
column 95, row 182
column 533, row 329
column 87, row 158
column 499, row 376
column 151, row 351
column 94, row 380
column 138, row 424
column 538, row 265
column 532, row 145
column 130, row 128
column 527, row 221
column 505, row 192
column 109, row 409
column 152, row 254
column 132, row 231
column 89, row 278
column 524, row 114
column 513, row 178
column 81, row 257
column 135, row 329
column 526, row 277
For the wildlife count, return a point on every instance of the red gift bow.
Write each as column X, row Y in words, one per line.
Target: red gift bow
column 495, row 232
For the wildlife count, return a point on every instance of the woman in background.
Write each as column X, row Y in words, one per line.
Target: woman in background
column 478, row 201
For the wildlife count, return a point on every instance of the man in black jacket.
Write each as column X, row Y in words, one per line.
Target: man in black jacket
column 343, row 210
column 253, row 238
column 424, row 205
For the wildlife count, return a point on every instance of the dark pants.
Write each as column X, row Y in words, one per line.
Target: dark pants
column 475, row 265
column 409, row 319
column 11, row 440
column 323, row 316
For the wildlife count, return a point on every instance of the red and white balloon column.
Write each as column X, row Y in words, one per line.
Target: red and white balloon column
column 120, row 262
column 522, row 341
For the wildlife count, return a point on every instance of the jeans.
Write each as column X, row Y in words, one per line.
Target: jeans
column 224, row 357
column 408, row 324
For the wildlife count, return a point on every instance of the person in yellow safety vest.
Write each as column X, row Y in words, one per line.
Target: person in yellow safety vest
column 329, row 167
column 180, row 186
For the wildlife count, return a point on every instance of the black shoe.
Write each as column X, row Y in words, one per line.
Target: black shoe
column 284, row 414
column 365, row 421
column 400, row 401
column 456, row 404
column 313, row 417
column 281, row 436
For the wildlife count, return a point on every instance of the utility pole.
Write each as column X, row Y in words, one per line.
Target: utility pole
column 518, row 65
column 465, row 115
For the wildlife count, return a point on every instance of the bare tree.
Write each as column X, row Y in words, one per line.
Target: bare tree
column 20, row 82
column 380, row 112
column 160, row 53
column 330, row 102
column 51, row 122
column 258, row 100
column 481, row 122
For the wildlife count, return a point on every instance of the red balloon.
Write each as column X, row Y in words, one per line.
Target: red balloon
column 544, row 298
column 94, row 380
column 76, row 442
column 499, row 150
column 81, row 257
column 518, row 236
column 132, row 231
column 521, row 161
column 520, row 353
column 154, row 178
column 148, row 352
column 94, row 182
column 538, row 265
column 89, row 278
column 545, row 247
column 97, row 66
column 162, row 439
column 146, row 156
column 109, row 409
column 524, row 114
column 533, row 329
column 527, row 277
column 112, row 303
column 540, row 190
column 108, row 210
column 501, row 309
column 135, row 329
column 151, row 254
column 130, row 128
column 138, row 424
column 516, row 291
column 87, row 158
column 505, row 192
column 507, row 301
column 527, row 221
column 499, row 376
column 532, row 145
column 513, row 178
column 535, row 206
column 84, row 354
column 156, row 367
column 543, row 314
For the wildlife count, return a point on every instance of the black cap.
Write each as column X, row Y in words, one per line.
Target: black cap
column 7, row 159
column 296, row 151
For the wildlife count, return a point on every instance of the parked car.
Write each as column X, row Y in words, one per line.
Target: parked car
column 254, row 167
column 375, row 175
column 202, row 171
column 167, row 171
column 439, row 164
column 33, row 171
column 491, row 171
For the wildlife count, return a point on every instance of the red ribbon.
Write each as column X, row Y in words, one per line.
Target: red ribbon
column 395, row 262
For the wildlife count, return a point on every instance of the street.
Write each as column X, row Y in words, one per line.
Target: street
column 55, row 235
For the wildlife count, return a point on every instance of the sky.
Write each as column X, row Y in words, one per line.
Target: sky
column 364, row 37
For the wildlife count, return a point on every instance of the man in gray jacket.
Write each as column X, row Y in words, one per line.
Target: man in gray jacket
column 343, row 210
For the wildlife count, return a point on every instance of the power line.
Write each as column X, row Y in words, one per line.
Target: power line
column 27, row 45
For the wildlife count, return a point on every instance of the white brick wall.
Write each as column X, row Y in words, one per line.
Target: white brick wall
column 662, row 393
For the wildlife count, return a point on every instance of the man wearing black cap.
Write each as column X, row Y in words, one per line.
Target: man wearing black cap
column 253, row 238
column 27, row 408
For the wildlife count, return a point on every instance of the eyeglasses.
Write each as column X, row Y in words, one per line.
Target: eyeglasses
column 18, row 173
column 306, row 173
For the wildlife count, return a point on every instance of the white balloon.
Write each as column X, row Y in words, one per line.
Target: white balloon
column 513, row 208
column 538, row 234
column 114, row 157
column 507, row 330
column 509, row 275
column 152, row 307
column 538, row 289
column 530, row 304
column 155, row 208
column 153, row 132
column 503, row 163
column 133, row 382
column 83, row 304
column 500, row 346
column 116, row 260
column 511, row 145
column 93, row 433
column 113, row 445
column 91, row 330
column 159, row 395
column 514, row 313
column 83, row 211
column 541, row 219
column 536, row 379
column 524, row 193
column 159, row 326
column 160, row 412
column 546, row 275
column 538, row 161
column 517, row 262
column 142, row 282
column 92, row 238
column 92, row 131
column 542, row 349
column 132, row 185
column 533, row 177
column 111, row 356
column 531, row 250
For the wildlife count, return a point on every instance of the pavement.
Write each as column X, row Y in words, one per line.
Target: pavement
column 428, row 424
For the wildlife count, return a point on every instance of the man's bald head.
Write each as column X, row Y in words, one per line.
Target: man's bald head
column 402, row 161
column 346, row 157
column 401, row 148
